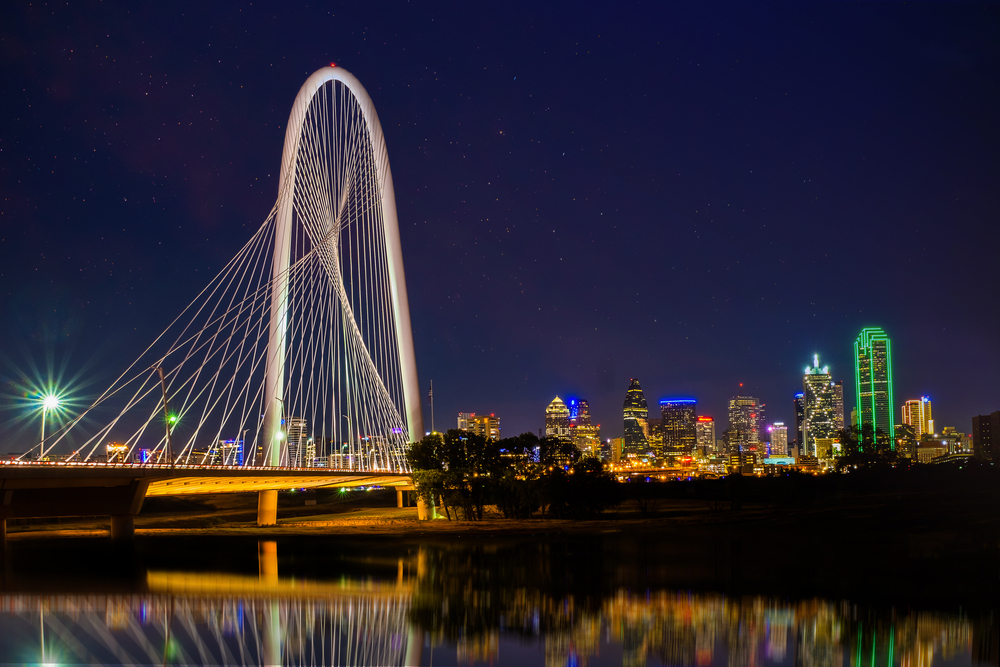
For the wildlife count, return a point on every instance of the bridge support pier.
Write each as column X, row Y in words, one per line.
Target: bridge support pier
column 267, row 508
column 3, row 536
column 122, row 528
column 399, row 498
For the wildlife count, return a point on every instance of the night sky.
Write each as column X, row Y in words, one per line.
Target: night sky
column 697, row 195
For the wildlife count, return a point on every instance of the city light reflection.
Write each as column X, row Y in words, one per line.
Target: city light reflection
column 213, row 618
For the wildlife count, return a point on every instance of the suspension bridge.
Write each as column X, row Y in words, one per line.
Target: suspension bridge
column 293, row 368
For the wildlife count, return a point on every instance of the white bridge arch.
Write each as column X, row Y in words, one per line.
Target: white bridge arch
column 300, row 351
column 330, row 161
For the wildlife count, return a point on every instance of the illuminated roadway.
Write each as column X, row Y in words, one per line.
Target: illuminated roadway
column 38, row 490
column 180, row 480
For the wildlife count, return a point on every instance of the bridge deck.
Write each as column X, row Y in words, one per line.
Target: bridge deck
column 85, row 489
column 166, row 480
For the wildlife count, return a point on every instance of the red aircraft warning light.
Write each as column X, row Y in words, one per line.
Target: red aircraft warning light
column 333, row 64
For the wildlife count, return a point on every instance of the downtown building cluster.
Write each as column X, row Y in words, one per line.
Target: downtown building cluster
column 680, row 437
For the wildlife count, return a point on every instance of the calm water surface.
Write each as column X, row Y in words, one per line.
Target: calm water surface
column 605, row 600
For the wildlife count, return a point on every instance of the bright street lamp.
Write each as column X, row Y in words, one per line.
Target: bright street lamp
column 49, row 402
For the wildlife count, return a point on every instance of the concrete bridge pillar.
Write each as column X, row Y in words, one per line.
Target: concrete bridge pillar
column 3, row 535
column 399, row 498
column 267, row 508
column 122, row 528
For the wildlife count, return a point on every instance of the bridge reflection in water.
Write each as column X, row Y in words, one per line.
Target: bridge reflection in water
column 185, row 618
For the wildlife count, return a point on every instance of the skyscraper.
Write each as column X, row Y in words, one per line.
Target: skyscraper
column 586, row 436
column 744, row 427
column 301, row 450
column 557, row 420
column 705, row 435
column 799, row 409
column 679, row 418
column 779, row 439
column 635, row 412
column 838, row 404
column 917, row 413
column 873, row 380
column 579, row 412
column 819, row 425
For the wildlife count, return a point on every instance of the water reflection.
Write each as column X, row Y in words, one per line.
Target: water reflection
column 469, row 607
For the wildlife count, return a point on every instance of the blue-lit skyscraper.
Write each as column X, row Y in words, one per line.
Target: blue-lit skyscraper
column 680, row 417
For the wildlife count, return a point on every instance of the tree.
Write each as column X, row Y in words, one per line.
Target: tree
column 465, row 473
column 513, row 486
column 457, row 468
column 865, row 447
column 553, row 451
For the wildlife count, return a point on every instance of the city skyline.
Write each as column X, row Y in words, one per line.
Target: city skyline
column 546, row 216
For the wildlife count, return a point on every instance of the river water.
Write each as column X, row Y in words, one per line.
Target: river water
column 550, row 600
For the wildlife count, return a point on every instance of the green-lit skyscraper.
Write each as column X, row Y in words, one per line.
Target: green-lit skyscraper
column 873, row 380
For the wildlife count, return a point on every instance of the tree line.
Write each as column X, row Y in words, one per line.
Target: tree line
column 467, row 475
column 865, row 448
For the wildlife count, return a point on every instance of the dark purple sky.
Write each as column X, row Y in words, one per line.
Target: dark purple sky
column 696, row 194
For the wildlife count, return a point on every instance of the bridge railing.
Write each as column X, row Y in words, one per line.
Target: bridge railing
column 185, row 466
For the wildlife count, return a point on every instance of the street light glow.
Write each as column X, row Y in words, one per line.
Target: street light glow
column 50, row 402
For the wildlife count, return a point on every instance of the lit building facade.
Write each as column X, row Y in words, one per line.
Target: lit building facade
column 579, row 412
column 779, row 439
column 586, row 436
column 838, row 404
column 301, row 450
column 819, row 424
column 226, row 452
column 616, row 445
column 873, row 380
column 557, row 420
column 744, row 424
column 636, row 413
column 587, row 439
column 679, row 418
column 704, row 429
column 464, row 418
column 906, row 441
column 917, row 413
column 117, row 452
column 488, row 426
